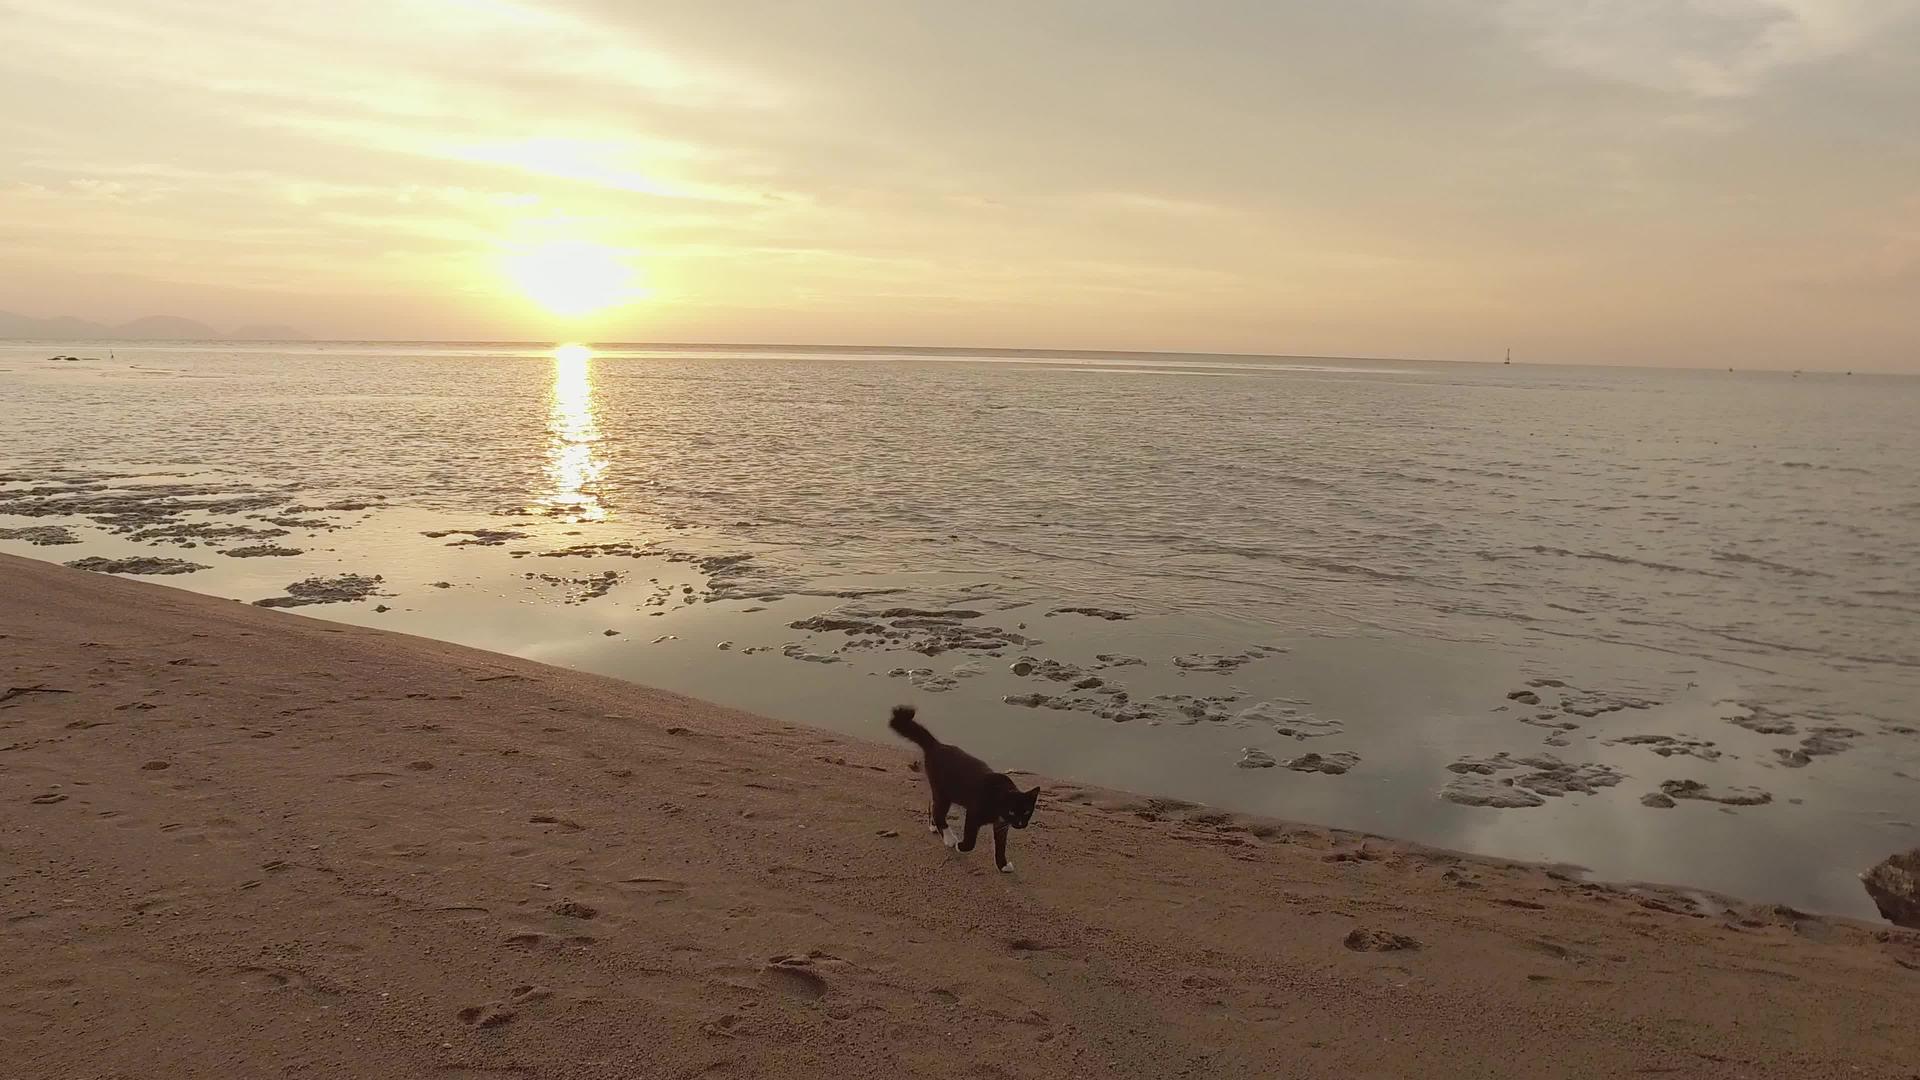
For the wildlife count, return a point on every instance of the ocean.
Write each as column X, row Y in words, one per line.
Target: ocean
column 1660, row 625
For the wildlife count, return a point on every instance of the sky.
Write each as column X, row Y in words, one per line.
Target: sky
column 1652, row 182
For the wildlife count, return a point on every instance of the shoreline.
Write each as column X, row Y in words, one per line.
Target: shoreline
column 825, row 605
column 248, row 840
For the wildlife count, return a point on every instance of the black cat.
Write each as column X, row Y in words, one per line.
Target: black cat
column 990, row 798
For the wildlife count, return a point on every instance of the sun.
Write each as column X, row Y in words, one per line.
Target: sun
column 572, row 278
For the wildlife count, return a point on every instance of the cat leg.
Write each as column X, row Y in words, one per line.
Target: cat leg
column 939, row 825
column 973, row 832
column 1000, row 847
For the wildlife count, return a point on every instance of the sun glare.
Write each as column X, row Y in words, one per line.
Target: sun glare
column 574, row 466
column 573, row 279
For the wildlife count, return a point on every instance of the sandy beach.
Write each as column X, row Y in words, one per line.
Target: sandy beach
column 241, row 842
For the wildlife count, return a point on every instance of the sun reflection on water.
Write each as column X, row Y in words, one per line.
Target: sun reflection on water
column 574, row 466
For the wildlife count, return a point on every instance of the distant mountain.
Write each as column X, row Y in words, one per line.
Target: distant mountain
column 164, row 328
column 266, row 332
column 151, row 328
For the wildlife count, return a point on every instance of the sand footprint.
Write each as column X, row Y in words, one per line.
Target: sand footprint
column 486, row 1016
column 794, row 976
column 540, row 940
column 273, row 980
column 495, row 1014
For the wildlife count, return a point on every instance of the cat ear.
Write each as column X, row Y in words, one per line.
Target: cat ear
column 1032, row 797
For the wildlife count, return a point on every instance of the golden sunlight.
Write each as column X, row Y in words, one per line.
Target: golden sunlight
column 571, row 278
column 573, row 466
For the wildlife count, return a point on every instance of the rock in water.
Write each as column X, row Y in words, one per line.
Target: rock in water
column 1895, row 888
column 1335, row 764
column 139, row 564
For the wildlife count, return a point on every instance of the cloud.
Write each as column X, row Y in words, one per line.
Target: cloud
column 1375, row 177
column 1712, row 49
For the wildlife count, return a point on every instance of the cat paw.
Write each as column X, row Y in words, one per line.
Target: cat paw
column 1006, row 868
column 933, row 828
column 950, row 838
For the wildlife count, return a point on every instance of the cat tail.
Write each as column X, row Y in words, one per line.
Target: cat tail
column 908, row 728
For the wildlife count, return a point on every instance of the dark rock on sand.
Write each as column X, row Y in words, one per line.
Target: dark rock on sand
column 1672, row 745
column 1591, row 703
column 139, row 564
column 584, row 587
column 1733, row 796
column 1553, row 777
column 1895, row 887
column 1479, row 781
column 345, row 505
column 347, row 588
column 827, row 624
column 1335, row 764
column 574, row 909
column 927, row 631
column 1379, row 941
column 260, row 551
column 1760, row 719
column 1092, row 612
column 476, row 537
column 1288, row 720
column 939, row 614
column 136, row 509
column 932, row 640
column 926, row 679
column 619, row 549
column 1191, row 709
column 207, row 531
column 1220, row 663
column 1251, row 758
column 794, row 650
column 1053, row 670
column 293, row 522
column 1658, row 800
column 41, row 535
column 1496, row 792
column 1822, row 741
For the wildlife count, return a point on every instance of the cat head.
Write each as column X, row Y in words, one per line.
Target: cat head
column 1020, row 810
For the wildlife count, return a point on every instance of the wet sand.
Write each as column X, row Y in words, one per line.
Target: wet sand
column 241, row 842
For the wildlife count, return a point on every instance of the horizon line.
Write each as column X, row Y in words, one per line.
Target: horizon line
column 956, row 350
